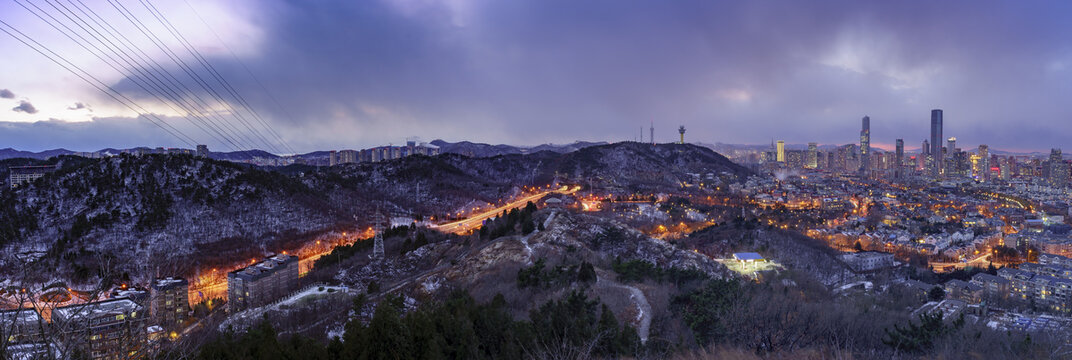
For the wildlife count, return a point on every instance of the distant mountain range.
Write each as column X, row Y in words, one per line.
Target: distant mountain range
column 486, row 150
column 464, row 148
column 10, row 153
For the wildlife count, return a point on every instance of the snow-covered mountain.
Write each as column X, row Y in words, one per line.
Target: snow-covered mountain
column 161, row 210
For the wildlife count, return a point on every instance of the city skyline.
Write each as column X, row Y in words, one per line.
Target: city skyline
column 526, row 74
column 248, row 179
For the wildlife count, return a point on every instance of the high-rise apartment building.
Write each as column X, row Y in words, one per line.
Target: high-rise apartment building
column 1058, row 169
column 812, row 161
column 1005, row 168
column 168, row 301
column 959, row 164
column 924, row 160
column 262, row 283
column 781, row 151
column 20, row 326
column 104, row 330
column 19, row 175
column 794, row 159
column 984, row 163
column 898, row 163
column 347, row 156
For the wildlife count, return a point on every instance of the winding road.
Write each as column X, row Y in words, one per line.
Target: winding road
column 473, row 222
column 640, row 301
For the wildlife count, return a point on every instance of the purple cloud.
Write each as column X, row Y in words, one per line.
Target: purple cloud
column 26, row 107
column 351, row 74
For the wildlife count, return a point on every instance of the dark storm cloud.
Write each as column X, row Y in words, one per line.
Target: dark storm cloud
column 6, row 94
column 561, row 70
column 359, row 73
column 26, row 107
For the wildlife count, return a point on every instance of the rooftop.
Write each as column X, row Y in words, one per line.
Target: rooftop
column 101, row 308
column 19, row 315
column 864, row 254
column 987, row 278
column 31, row 169
column 266, row 266
column 168, row 282
column 748, row 256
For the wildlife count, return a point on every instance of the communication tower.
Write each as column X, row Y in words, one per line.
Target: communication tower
column 651, row 134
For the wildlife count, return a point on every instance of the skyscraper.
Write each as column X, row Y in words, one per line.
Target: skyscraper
column 812, row 161
column 898, row 163
column 935, row 150
column 795, row 159
column 865, row 145
column 781, row 151
column 1058, row 174
column 953, row 164
column 984, row 163
column 1008, row 167
column 925, row 155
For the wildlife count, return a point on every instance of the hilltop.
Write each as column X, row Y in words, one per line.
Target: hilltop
column 180, row 209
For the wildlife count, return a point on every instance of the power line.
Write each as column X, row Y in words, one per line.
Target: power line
column 148, row 79
column 212, row 69
column 150, row 76
column 116, row 95
column 166, row 49
column 116, row 66
column 271, row 96
column 167, row 85
column 151, row 35
column 156, row 67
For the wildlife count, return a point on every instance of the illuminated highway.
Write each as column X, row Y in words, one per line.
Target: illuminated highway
column 214, row 284
column 473, row 222
column 981, row 261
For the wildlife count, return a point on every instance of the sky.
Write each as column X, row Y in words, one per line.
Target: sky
column 319, row 75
